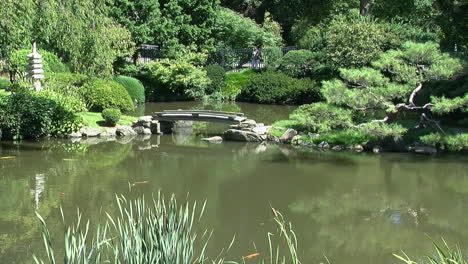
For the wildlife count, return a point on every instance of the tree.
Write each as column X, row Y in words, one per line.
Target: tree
column 81, row 32
column 141, row 18
column 393, row 83
column 16, row 25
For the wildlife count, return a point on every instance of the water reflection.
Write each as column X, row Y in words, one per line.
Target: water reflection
column 354, row 208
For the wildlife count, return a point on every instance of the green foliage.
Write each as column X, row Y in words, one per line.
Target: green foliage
column 17, row 21
column 443, row 255
column 217, row 76
column 18, row 62
column 236, row 31
column 95, row 120
column 27, row 114
column 4, row 84
column 296, row 63
column 82, row 32
column 382, row 130
column 235, row 82
column 321, row 117
column 134, row 87
column 271, row 87
column 178, row 78
column 347, row 137
column 448, row 142
column 353, row 42
column 111, row 116
column 448, row 105
column 99, row 94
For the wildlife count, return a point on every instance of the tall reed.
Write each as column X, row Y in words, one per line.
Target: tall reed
column 443, row 255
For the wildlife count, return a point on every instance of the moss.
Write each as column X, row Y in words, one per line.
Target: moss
column 95, row 120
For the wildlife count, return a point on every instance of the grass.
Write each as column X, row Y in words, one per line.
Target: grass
column 443, row 255
column 161, row 231
column 95, row 120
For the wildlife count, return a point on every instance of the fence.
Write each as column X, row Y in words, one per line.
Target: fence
column 229, row 59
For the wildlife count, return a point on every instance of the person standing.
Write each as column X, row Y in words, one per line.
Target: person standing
column 256, row 58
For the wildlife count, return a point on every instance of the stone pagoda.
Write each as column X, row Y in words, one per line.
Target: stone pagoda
column 35, row 68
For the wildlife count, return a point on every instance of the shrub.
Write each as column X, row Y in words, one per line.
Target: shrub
column 125, row 68
column 66, row 83
column 296, row 63
column 321, row 117
column 26, row 114
column 179, row 79
column 217, row 75
column 111, row 116
column 134, row 87
column 346, row 137
column 4, row 84
column 279, row 88
column 449, row 142
column 100, row 94
column 18, row 62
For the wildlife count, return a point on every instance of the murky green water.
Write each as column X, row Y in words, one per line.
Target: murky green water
column 353, row 208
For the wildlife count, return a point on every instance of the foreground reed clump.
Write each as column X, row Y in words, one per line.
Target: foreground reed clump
column 159, row 232
column 443, row 255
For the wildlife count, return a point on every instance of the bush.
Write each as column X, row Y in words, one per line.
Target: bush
column 4, row 84
column 321, row 117
column 134, row 87
column 18, row 62
column 346, row 137
column 217, row 75
column 296, row 63
column 177, row 79
column 111, row 116
column 26, row 114
column 279, row 88
column 100, row 94
column 66, row 83
column 125, row 68
column 448, row 142
column 235, row 83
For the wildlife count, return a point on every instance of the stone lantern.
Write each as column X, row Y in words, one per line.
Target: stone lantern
column 35, row 68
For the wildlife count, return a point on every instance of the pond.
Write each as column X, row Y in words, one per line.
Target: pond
column 351, row 208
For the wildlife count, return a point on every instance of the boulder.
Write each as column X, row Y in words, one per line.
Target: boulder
column 75, row 135
column 155, row 127
column 145, row 119
column 213, row 139
column 288, row 136
column 110, row 132
column 323, row 145
column 123, row 131
column 338, row 148
column 297, row 140
column 90, row 132
column 141, row 130
column 357, row 148
column 261, row 130
column 240, row 135
column 273, row 138
column 424, row 150
column 248, row 122
column 377, row 149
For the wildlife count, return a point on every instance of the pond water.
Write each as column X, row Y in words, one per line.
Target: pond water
column 351, row 208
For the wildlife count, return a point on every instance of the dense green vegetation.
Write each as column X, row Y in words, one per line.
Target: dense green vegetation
column 373, row 66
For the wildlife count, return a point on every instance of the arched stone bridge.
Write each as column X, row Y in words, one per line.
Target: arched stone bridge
column 231, row 118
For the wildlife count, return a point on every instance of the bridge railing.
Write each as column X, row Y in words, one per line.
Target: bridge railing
column 200, row 115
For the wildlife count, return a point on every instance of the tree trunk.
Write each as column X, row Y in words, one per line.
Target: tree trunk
column 364, row 7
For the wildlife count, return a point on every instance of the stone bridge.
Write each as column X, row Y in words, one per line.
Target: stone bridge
column 201, row 116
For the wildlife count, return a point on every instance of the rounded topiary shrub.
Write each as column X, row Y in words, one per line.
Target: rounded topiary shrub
column 111, row 116
column 271, row 87
column 217, row 76
column 18, row 62
column 296, row 63
column 134, row 87
column 100, row 94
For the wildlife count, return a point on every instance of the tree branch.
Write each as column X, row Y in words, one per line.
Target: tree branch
column 414, row 93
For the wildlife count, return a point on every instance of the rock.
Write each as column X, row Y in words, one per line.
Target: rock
column 273, row 138
column 155, row 127
column 377, row 149
column 110, row 132
column 296, row 140
column 75, row 135
column 288, row 136
column 338, row 148
column 357, row 148
column 261, row 130
column 323, row 145
column 90, row 132
column 145, row 119
column 141, row 130
column 248, row 122
column 424, row 150
column 213, row 139
column 313, row 135
column 123, row 131
column 239, row 135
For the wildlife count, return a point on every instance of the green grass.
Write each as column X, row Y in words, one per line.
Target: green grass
column 444, row 254
column 95, row 120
